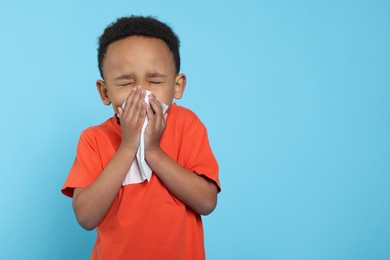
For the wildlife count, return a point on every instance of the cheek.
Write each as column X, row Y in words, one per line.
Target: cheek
column 121, row 96
column 166, row 98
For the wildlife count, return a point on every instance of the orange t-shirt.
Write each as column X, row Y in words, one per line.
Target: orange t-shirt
column 146, row 221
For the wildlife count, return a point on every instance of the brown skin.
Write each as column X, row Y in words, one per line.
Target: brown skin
column 132, row 65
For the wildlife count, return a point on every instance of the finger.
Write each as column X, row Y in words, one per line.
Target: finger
column 164, row 120
column 155, row 105
column 151, row 118
column 138, row 103
column 157, row 111
column 142, row 113
column 120, row 112
column 128, row 101
column 134, row 102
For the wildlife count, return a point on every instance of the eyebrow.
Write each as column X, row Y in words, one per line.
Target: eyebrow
column 125, row 76
column 155, row 75
column 149, row 75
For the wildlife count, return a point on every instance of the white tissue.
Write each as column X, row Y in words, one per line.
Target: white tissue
column 140, row 170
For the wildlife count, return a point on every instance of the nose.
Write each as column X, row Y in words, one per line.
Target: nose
column 145, row 87
column 142, row 86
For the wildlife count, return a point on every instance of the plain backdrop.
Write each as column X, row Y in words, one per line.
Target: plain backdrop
column 295, row 96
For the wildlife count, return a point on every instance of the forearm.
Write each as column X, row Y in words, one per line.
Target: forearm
column 92, row 203
column 195, row 191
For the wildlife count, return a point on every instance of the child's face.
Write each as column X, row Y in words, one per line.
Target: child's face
column 142, row 61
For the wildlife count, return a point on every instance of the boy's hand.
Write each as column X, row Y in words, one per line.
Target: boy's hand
column 156, row 125
column 132, row 118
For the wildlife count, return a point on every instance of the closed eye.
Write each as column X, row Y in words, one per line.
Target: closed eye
column 127, row 84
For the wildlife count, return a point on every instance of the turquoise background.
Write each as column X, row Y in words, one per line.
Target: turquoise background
column 295, row 96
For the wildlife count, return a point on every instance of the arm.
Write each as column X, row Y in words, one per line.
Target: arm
column 92, row 203
column 195, row 191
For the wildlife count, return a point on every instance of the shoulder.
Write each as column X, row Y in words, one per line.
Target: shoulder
column 185, row 119
column 107, row 128
column 184, row 114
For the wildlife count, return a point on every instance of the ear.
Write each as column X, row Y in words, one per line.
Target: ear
column 180, row 84
column 101, row 88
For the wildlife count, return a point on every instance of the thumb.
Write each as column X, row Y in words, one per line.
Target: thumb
column 120, row 112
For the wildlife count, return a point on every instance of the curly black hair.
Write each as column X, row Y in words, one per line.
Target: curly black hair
column 142, row 26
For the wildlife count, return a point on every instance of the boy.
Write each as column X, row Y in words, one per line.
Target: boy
column 157, row 217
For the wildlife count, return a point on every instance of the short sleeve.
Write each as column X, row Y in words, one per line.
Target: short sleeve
column 197, row 155
column 86, row 166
